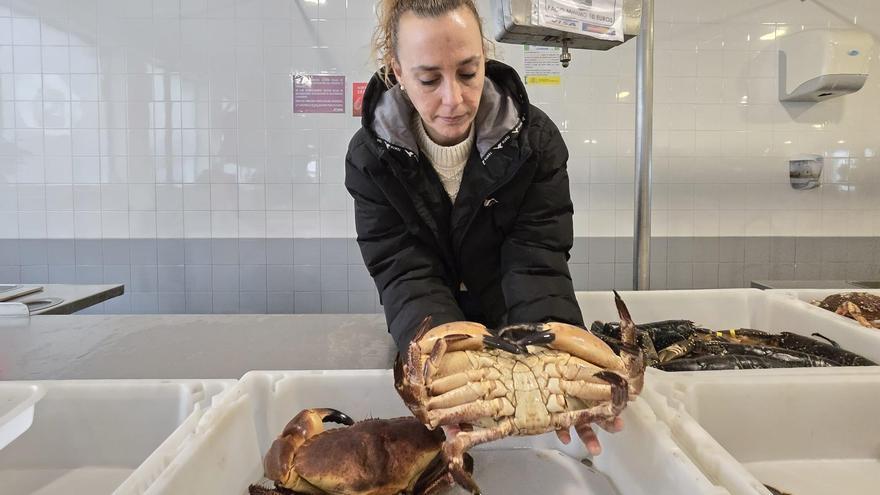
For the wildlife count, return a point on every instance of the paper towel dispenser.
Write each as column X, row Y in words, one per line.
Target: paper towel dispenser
column 819, row 64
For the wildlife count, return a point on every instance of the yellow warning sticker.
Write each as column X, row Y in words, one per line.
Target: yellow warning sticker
column 544, row 80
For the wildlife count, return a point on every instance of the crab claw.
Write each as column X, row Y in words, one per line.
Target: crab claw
column 574, row 340
column 631, row 354
column 278, row 461
column 413, row 372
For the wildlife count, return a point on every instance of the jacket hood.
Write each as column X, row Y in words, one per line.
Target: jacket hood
column 504, row 104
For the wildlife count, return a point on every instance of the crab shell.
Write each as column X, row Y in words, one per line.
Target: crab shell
column 371, row 457
column 860, row 306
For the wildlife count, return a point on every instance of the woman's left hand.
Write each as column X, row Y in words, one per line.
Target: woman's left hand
column 588, row 436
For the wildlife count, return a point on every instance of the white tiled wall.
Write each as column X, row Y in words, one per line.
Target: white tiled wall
column 173, row 118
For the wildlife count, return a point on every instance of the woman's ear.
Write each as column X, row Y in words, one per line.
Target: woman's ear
column 395, row 67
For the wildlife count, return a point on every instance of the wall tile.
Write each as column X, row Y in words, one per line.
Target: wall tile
column 680, row 276
column 706, row 275
column 33, row 252
column 334, row 302
column 253, row 302
column 253, row 278
column 171, row 302
column 144, row 278
column 307, row 302
column 730, row 275
column 279, row 302
column 279, row 251
column 601, row 276
column 225, row 251
column 306, row 251
column 88, row 252
column 171, row 251
column 86, row 274
column 225, row 302
column 171, row 278
column 33, row 274
column 252, row 251
column 199, row 303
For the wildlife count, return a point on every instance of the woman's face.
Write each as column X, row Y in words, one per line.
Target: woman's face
column 440, row 64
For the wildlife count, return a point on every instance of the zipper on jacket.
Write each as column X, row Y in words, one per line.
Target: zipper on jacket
column 488, row 196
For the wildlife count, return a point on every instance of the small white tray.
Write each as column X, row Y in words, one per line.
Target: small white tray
column 17, row 402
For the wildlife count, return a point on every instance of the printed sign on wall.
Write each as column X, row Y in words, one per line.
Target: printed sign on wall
column 357, row 98
column 542, row 66
column 318, row 93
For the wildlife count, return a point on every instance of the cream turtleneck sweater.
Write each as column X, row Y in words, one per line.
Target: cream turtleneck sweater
column 448, row 161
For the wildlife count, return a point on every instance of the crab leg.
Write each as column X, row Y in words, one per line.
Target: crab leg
column 471, row 412
column 448, row 383
column 602, row 412
column 854, row 312
column 455, row 448
column 467, row 393
column 581, row 390
column 573, row 369
column 437, row 476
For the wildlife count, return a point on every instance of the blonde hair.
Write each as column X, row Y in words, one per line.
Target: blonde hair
column 390, row 11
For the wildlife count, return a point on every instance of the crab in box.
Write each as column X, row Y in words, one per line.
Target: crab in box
column 369, row 457
column 524, row 379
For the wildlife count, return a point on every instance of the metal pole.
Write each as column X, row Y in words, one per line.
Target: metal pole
column 644, row 131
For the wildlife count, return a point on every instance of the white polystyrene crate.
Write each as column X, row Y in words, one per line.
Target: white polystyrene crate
column 17, row 402
column 723, row 309
column 810, row 295
column 225, row 454
column 805, row 432
column 89, row 436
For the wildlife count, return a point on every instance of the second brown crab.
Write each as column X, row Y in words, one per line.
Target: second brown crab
column 523, row 379
column 860, row 306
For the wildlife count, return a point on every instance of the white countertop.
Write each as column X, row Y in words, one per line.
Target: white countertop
column 188, row 346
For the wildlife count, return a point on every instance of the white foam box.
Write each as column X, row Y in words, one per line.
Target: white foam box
column 802, row 431
column 17, row 402
column 224, row 455
column 810, row 295
column 723, row 309
column 91, row 436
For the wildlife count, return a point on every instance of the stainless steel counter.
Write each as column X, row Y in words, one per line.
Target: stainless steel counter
column 806, row 284
column 73, row 297
column 188, row 346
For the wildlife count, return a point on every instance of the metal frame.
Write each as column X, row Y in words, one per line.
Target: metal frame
column 644, row 148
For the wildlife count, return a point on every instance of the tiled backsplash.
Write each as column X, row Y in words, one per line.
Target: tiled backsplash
column 328, row 275
column 169, row 123
column 173, row 119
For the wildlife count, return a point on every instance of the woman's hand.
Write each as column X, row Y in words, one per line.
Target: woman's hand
column 588, row 436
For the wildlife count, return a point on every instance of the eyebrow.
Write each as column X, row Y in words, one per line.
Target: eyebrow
column 470, row 60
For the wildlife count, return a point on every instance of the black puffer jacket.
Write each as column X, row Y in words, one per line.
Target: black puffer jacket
column 505, row 241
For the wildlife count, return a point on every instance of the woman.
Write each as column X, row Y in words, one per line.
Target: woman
column 462, row 202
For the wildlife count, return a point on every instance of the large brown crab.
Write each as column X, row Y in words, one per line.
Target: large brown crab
column 860, row 306
column 370, row 457
column 523, row 379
